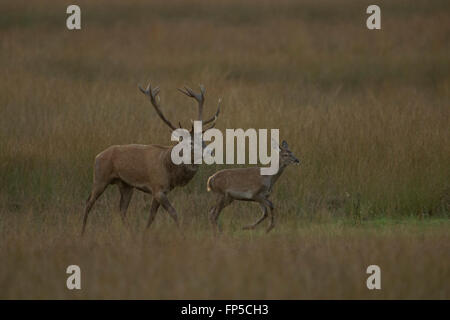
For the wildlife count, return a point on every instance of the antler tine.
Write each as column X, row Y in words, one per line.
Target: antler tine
column 202, row 89
column 210, row 127
column 199, row 97
column 149, row 92
column 152, row 94
column 215, row 116
column 142, row 89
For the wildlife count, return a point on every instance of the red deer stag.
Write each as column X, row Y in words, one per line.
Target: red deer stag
column 148, row 168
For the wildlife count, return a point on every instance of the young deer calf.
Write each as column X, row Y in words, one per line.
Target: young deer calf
column 247, row 184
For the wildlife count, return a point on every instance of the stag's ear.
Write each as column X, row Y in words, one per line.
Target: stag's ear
column 284, row 144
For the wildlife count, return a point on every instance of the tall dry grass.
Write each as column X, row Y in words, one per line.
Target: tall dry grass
column 311, row 260
column 366, row 111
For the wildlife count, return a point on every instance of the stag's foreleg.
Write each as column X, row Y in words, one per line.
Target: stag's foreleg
column 161, row 197
column 153, row 210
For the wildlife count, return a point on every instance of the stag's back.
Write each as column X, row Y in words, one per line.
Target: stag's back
column 135, row 164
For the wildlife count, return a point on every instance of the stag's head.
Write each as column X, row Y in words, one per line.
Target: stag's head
column 152, row 93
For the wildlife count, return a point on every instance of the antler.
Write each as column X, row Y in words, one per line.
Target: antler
column 152, row 94
column 200, row 97
column 214, row 118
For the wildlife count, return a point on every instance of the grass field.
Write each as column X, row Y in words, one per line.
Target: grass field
column 367, row 112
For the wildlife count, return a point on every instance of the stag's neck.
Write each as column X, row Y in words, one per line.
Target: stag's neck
column 180, row 174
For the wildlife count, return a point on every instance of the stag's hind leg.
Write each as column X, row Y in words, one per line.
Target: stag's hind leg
column 126, row 192
column 96, row 192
